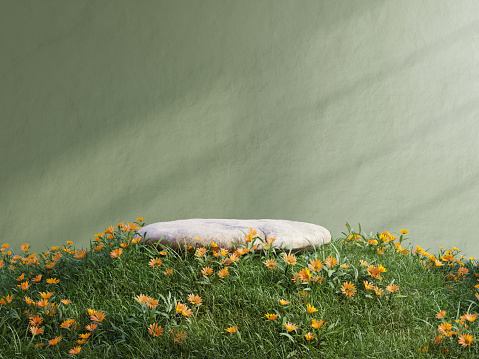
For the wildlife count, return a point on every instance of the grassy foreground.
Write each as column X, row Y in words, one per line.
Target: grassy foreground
column 361, row 296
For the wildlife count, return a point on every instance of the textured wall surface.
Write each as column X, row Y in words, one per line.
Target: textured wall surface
column 318, row 111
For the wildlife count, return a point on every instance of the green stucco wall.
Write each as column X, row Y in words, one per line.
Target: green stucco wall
column 318, row 111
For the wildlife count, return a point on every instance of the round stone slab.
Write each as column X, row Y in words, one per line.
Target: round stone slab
column 290, row 235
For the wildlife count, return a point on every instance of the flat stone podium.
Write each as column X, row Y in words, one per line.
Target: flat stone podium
column 290, row 235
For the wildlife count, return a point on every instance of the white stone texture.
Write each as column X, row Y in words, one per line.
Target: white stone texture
column 290, row 235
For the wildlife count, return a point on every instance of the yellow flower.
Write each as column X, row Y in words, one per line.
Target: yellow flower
column 194, row 299
column 465, row 340
column 207, row 271
column 471, row 258
column 271, row 316
column 232, row 329
column 444, row 327
column 283, row 302
column 223, row 273
column 200, row 252
column 75, row 350
column 53, row 281
column 55, row 340
column 290, row 326
column 46, row 295
column 67, row 323
column 25, row 247
column 403, row 231
column 378, row 291
column 311, row 309
column 97, row 316
column 270, row 264
column 69, row 242
column 469, row 317
column 155, row 263
column 368, row 285
column 155, row 330
column 309, row 336
column 140, row 219
column 289, row 259
column 214, row 245
column 316, row 324
column 85, row 335
column 348, row 289
column 454, row 249
column 116, row 253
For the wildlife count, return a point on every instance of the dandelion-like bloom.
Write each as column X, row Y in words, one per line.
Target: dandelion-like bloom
column 116, row 253
column 271, row 316
column 392, row 288
column 465, row 340
column 331, row 262
column 309, row 336
column 441, row 314
column 55, row 340
column 155, row 263
column 223, row 273
column 200, row 252
column 224, row 252
column 75, row 350
column 348, row 289
column 155, row 330
column 316, row 324
column 194, row 299
column 270, row 264
column 283, row 302
column 311, row 309
column 444, row 327
column 36, row 330
column 290, row 326
column 315, row 265
column 232, row 329
column 289, row 259
column 207, row 271
column 98, row 316
column 53, row 281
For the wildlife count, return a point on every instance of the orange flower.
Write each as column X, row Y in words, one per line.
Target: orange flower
column 36, row 330
column 283, row 302
column 75, row 350
column 462, row 271
column 98, row 316
column 22, row 277
column 289, row 259
column 444, row 327
column 316, row 324
column 469, row 317
column 378, row 291
column 403, row 231
column 55, row 340
column 91, row 327
column 24, row 285
column 348, row 289
column 37, row 279
column 232, row 329
column 368, row 285
column 25, row 247
column 309, row 336
column 53, row 281
column 311, row 309
column 168, row 272
column 331, row 262
column 270, row 264
column 271, row 316
column 152, row 303
column 65, row 301
column 84, row 335
column 315, row 265
column 140, row 219
column 8, row 299
column 223, row 273
column 155, row 263
column 155, row 330
column 441, row 314
column 36, row 321
column 465, row 340
column 290, row 326
column 200, row 252
column 67, row 323
column 194, row 299
column 45, row 295
column 392, row 288
column 116, row 253
column 180, row 307
column 207, row 271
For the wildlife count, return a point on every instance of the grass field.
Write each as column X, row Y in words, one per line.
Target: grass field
column 361, row 296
